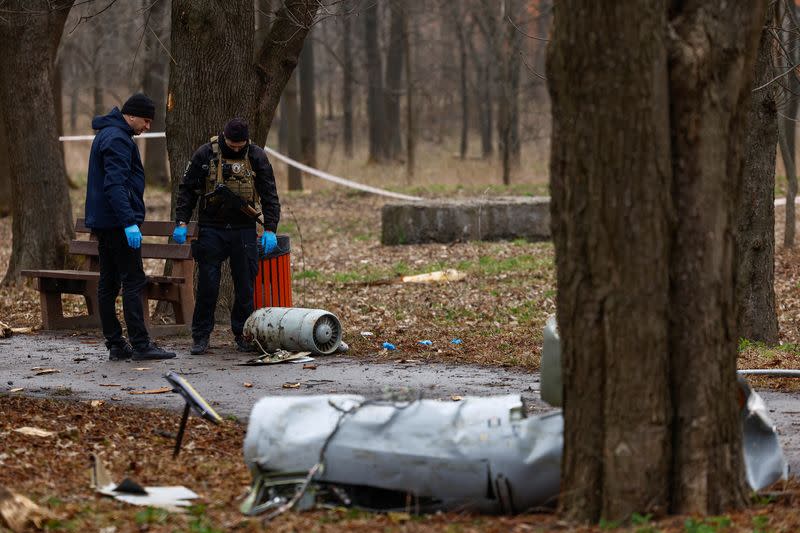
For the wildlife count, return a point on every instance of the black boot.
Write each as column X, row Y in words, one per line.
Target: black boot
column 243, row 345
column 200, row 345
column 151, row 352
column 121, row 351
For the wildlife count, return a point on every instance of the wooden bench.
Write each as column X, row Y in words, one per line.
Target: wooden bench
column 178, row 288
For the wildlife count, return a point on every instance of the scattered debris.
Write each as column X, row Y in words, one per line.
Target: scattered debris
column 5, row 330
column 455, row 341
column 110, row 385
column 17, row 511
column 162, row 390
column 366, row 334
column 291, row 385
column 450, row 274
column 193, row 401
column 389, row 346
column 41, row 371
column 21, row 330
column 80, row 359
column 16, row 389
column 456, row 398
column 96, row 403
column 309, row 366
column 279, row 356
column 480, row 454
column 248, row 385
column 172, row 498
column 425, row 343
column 35, row 432
column 141, row 368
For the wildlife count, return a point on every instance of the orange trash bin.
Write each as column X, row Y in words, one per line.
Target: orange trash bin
column 273, row 285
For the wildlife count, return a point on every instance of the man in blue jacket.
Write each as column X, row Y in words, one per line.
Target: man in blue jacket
column 114, row 211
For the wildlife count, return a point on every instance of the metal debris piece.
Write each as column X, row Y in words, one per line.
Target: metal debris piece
column 294, row 329
column 277, row 357
column 478, row 454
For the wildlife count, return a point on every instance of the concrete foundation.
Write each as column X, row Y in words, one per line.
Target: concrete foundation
column 487, row 219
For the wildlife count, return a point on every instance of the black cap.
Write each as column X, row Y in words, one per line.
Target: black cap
column 139, row 105
column 236, row 130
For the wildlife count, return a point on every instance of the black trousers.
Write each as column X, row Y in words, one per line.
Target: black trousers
column 212, row 247
column 121, row 265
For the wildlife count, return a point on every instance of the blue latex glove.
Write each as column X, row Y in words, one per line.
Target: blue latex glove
column 269, row 242
column 179, row 235
column 134, row 236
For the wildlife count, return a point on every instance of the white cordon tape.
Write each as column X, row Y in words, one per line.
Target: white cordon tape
column 305, row 168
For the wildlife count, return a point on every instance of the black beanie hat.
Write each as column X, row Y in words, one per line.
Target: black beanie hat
column 236, row 130
column 139, row 105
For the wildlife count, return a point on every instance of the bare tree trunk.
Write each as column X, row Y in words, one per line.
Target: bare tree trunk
column 786, row 123
column 38, row 176
column 485, row 106
column 394, row 76
column 73, row 109
column 411, row 123
column 154, row 84
column 647, row 322
column 375, row 104
column 6, row 201
column 508, row 105
column 293, row 126
column 461, row 34
column 347, row 82
column 755, row 210
column 308, row 106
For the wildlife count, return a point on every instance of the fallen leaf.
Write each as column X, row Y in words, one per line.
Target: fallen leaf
column 291, row 385
column 248, row 385
column 18, row 511
column 96, row 403
column 16, row 389
column 309, row 366
column 35, row 432
column 456, row 398
column 162, row 390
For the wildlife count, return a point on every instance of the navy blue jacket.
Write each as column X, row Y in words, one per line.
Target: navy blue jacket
column 115, row 186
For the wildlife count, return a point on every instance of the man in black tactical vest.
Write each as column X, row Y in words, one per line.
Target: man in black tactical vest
column 230, row 162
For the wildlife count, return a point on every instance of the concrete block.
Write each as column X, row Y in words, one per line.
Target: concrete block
column 476, row 219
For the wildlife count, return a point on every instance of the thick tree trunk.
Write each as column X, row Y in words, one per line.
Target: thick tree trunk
column 290, row 96
column 278, row 58
column 347, row 82
column 755, row 210
column 208, row 86
column 6, row 202
column 376, row 115
column 647, row 322
column 308, row 106
column 394, row 79
column 154, row 85
column 38, row 176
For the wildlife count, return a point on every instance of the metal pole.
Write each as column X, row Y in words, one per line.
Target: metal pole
column 181, row 429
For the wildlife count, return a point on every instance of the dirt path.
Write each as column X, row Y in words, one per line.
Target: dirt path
column 85, row 373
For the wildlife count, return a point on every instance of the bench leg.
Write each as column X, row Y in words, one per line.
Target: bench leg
column 52, row 311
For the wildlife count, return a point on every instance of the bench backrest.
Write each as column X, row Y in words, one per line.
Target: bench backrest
column 154, row 228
